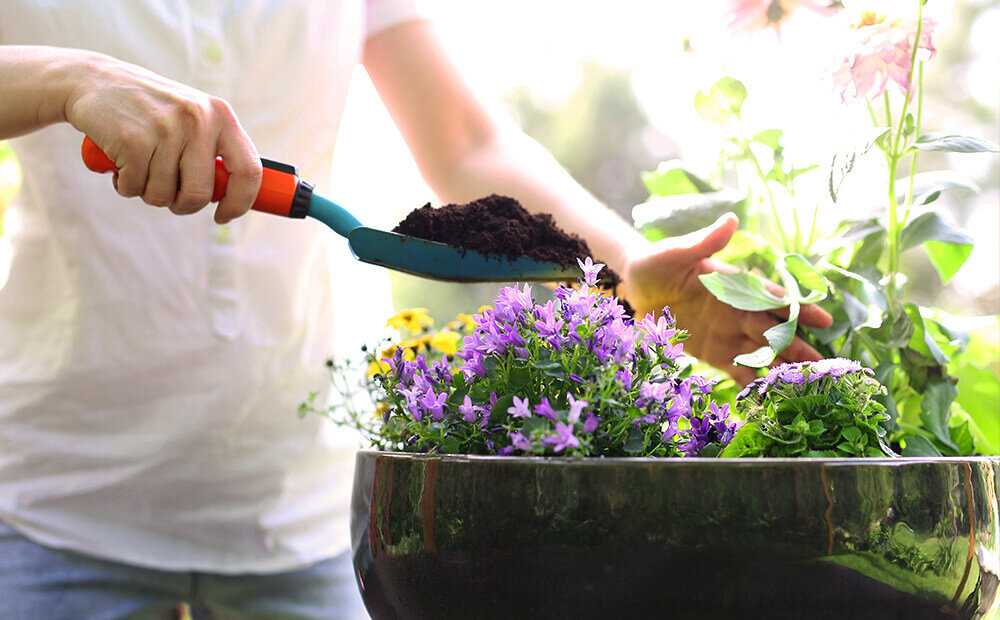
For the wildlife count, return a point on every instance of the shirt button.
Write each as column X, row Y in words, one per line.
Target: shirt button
column 223, row 235
column 213, row 52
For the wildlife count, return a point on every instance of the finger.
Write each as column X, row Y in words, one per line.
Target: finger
column 814, row 316
column 245, row 172
column 742, row 374
column 132, row 163
column 705, row 242
column 197, row 176
column 800, row 351
column 754, row 325
column 161, row 183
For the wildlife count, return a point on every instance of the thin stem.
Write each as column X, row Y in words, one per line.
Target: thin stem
column 894, row 155
column 812, row 227
column 774, row 208
column 916, row 132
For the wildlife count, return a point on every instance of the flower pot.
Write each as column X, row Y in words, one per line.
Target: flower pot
column 528, row 537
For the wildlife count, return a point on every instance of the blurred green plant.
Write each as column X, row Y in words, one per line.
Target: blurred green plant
column 941, row 399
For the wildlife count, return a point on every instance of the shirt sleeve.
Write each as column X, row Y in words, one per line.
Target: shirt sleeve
column 380, row 15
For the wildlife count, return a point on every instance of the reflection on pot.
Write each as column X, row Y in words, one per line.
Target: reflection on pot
column 501, row 537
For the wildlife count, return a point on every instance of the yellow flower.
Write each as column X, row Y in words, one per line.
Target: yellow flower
column 413, row 319
column 377, row 368
column 416, row 344
column 463, row 320
column 446, row 342
column 483, row 308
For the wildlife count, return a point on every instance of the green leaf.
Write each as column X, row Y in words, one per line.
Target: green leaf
column 954, row 143
column 805, row 274
column 931, row 226
column 844, row 160
column 673, row 216
column 634, row 441
column 947, row 258
column 947, row 246
column 918, row 445
column 761, row 358
column 921, row 341
column 672, row 178
column 742, row 291
column 935, row 409
column 927, row 186
column 769, row 137
column 747, row 442
column 549, row 364
column 895, row 332
column 781, row 335
column 721, row 103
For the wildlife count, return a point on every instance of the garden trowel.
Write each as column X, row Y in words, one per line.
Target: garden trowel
column 283, row 193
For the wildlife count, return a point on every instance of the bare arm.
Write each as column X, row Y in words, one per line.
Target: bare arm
column 163, row 136
column 464, row 152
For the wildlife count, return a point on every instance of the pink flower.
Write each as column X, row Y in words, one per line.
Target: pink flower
column 761, row 14
column 880, row 53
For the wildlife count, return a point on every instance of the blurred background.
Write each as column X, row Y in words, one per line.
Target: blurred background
column 609, row 88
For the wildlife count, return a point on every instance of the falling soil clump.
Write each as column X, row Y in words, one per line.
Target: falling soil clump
column 499, row 225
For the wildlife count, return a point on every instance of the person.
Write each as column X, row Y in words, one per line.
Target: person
column 151, row 365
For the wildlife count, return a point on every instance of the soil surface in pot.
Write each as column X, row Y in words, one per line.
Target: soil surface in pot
column 499, row 225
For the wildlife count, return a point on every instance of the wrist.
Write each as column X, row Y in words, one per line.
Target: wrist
column 73, row 74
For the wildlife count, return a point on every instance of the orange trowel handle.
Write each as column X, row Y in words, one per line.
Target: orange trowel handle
column 281, row 190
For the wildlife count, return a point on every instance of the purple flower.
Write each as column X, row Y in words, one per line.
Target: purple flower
column 590, row 270
column 659, row 331
column 624, row 376
column 654, row 391
column 564, row 438
column 505, row 451
column 548, row 325
column 473, row 367
column 468, row 410
column 520, row 408
column 433, row 404
column 834, row 367
column 575, row 378
column 591, row 424
column 575, row 408
column 544, row 409
column 521, row 442
column 511, row 301
column 669, row 317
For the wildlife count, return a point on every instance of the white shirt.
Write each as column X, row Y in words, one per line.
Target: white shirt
column 151, row 366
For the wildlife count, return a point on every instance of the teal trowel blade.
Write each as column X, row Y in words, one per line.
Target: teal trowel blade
column 430, row 259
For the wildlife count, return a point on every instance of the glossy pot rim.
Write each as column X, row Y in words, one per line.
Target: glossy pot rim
column 680, row 462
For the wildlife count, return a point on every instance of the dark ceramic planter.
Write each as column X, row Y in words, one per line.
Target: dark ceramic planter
column 514, row 537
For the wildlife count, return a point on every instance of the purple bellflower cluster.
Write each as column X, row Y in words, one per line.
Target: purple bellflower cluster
column 575, row 375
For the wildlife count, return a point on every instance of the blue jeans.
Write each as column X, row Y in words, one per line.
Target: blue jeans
column 40, row 583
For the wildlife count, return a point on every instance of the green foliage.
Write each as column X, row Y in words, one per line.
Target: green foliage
column 793, row 413
column 938, row 401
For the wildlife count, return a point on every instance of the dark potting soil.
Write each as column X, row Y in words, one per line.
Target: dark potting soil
column 500, row 226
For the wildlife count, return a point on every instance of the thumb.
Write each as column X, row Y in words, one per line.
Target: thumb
column 708, row 240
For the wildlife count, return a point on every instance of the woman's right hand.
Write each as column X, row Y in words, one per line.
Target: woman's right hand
column 163, row 136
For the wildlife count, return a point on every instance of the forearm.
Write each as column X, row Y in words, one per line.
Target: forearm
column 36, row 83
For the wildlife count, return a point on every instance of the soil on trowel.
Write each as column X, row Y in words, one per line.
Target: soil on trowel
column 500, row 226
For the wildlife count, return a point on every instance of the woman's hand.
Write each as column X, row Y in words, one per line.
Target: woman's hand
column 666, row 274
column 162, row 135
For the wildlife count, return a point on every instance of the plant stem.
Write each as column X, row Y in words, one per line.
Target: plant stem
column 893, row 157
column 774, row 208
column 916, row 132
